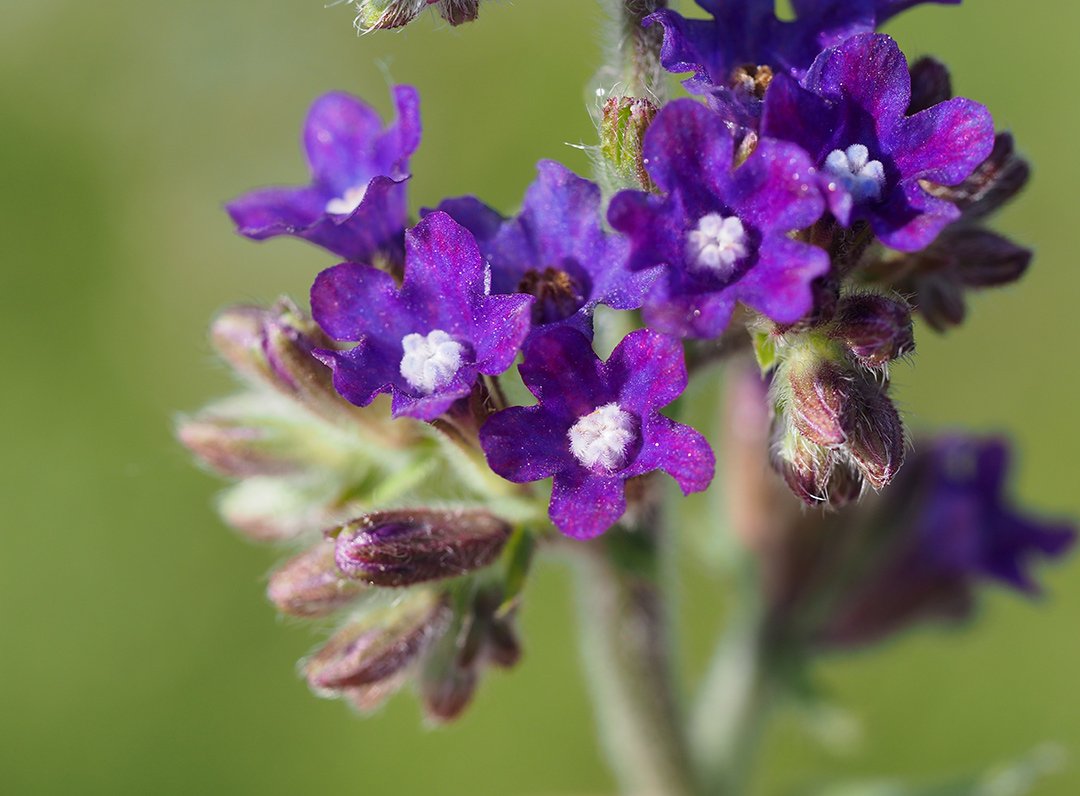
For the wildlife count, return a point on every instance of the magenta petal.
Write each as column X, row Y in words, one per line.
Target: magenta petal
column 651, row 369
column 868, row 70
column 525, row 443
column 776, row 188
column 564, row 374
column 445, row 273
column 779, row 286
column 339, row 137
column 679, row 451
column 500, row 326
column 944, row 143
column 350, row 301
column 584, row 505
column 406, row 403
column 689, row 149
column 276, row 211
column 913, row 219
column 362, row 372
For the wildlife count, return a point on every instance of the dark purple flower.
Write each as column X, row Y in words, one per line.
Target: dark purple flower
column 428, row 340
column 722, row 235
column 356, row 205
column 596, row 425
column 849, row 113
column 744, row 34
column 556, row 249
column 954, row 527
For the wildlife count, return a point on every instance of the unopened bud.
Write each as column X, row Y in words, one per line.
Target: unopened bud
column 930, row 85
column 804, row 465
column 403, row 547
column 386, row 14
column 236, row 439
column 877, row 442
column 845, row 484
column 446, row 685
column 820, row 402
column 311, row 585
column 986, row 259
column 875, row 329
column 622, row 131
column 379, row 645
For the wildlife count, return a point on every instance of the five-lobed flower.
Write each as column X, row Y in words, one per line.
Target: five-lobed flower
column 596, row 425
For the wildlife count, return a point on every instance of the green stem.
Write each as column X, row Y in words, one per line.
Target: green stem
column 626, row 646
column 733, row 708
column 634, row 58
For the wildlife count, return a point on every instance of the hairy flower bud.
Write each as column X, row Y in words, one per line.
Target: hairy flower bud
column 311, row 585
column 993, row 184
column 875, row 329
column 877, row 442
column 380, row 644
column 930, row 84
column 386, row 14
column 622, row 130
column 403, row 547
column 820, row 402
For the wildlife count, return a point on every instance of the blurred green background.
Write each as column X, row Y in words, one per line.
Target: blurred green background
column 139, row 655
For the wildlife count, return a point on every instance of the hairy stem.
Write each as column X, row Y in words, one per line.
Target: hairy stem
column 626, row 647
column 634, row 57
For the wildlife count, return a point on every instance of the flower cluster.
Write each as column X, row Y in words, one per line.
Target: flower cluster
column 822, row 193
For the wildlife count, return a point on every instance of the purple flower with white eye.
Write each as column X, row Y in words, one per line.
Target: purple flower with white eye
column 596, row 425
column 556, row 249
column 356, row 205
column 722, row 234
column 427, row 341
column 849, row 113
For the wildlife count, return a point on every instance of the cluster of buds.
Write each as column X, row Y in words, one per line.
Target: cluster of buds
column 417, row 601
column 835, row 429
column 383, row 14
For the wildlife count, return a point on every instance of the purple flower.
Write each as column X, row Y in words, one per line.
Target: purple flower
column 849, row 113
column 356, row 205
column 556, row 249
column 955, row 527
column 748, row 33
column 596, row 425
column 427, row 341
column 722, row 235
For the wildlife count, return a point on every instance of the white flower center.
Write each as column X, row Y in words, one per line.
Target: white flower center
column 860, row 176
column 603, row 437
column 431, row 361
column 345, row 204
column 717, row 243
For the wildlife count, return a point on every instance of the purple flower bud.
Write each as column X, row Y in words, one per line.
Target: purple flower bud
column 805, row 468
column 845, row 485
column 379, row 645
column 311, row 585
column 877, row 443
column 820, row 402
column 404, row 547
column 930, row 85
column 875, row 329
column 622, row 132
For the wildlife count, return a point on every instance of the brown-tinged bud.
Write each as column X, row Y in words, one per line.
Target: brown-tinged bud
column 404, row 547
column 446, row 684
column 622, row 132
column 845, row 484
column 311, row 585
column 875, row 329
column 820, row 402
column 267, row 508
column 457, row 12
column 805, row 468
column 368, row 698
column 877, row 443
column 930, row 84
column 380, row 644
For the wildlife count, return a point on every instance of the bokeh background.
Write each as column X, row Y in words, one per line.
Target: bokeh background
column 138, row 654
